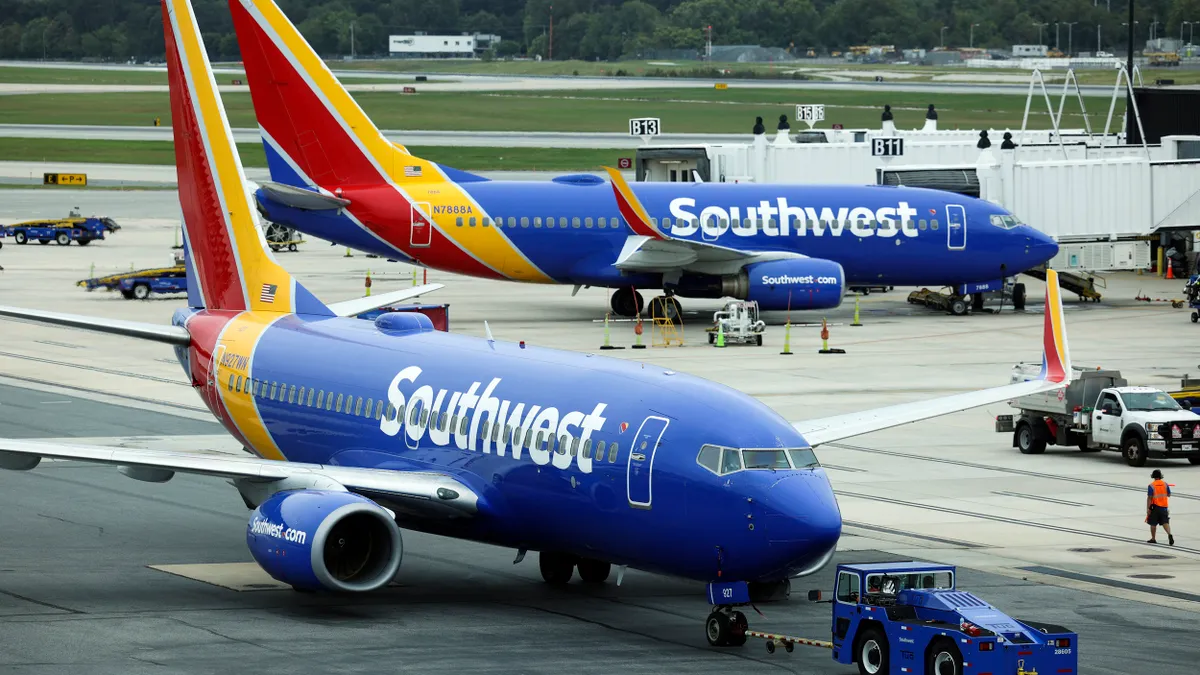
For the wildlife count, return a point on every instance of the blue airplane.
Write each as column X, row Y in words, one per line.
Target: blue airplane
column 355, row 429
column 335, row 176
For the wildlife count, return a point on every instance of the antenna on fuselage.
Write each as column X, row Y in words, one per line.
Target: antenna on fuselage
column 696, row 176
column 488, row 332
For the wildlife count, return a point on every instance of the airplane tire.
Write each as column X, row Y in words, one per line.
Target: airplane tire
column 557, row 568
column 627, row 302
column 1018, row 297
column 958, row 307
column 718, row 629
column 594, row 571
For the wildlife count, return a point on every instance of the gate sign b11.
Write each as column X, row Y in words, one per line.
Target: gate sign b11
column 644, row 126
column 810, row 113
column 892, row 146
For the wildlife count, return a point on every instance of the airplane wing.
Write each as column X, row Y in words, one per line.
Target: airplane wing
column 1056, row 374
column 175, row 335
column 366, row 304
column 426, row 493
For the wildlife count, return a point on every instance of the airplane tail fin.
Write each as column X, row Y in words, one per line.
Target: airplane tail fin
column 1056, row 357
column 228, row 264
column 315, row 135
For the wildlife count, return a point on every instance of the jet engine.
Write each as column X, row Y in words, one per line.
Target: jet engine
column 325, row 540
column 798, row 283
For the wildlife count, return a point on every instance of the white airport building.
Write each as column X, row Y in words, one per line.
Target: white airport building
column 421, row 46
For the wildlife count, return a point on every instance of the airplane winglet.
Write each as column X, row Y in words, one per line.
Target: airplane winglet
column 1056, row 357
column 631, row 208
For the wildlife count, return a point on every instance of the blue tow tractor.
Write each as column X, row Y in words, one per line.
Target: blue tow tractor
column 61, row 230
column 910, row 617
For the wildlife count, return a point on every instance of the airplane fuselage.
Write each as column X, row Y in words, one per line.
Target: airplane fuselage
column 571, row 233
column 625, row 486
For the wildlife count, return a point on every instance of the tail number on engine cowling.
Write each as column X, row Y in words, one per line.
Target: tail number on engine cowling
column 780, row 219
column 525, row 426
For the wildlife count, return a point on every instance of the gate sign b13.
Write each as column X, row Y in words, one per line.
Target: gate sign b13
column 892, row 146
column 810, row 113
column 645, row 126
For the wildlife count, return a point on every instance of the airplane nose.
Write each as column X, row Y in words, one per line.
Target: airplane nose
column 806, row 522
column 1041, row 247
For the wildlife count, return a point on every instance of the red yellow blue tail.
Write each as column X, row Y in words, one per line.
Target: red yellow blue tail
column 229, row 266
column 1056, row 358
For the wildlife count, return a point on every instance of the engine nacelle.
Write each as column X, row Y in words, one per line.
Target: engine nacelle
column 318, row 539
column 799, row 283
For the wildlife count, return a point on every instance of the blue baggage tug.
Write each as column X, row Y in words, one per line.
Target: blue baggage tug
column 910, row 617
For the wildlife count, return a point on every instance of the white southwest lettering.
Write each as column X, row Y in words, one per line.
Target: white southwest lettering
column 532, row 423
column 783, row 219
column 808, row 279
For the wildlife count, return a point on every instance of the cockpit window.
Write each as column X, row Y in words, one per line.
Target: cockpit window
column 731, row 460
column 804, row 458
column 1004, row 222
column 766, row 459
column 710, row 458
column 723, row 461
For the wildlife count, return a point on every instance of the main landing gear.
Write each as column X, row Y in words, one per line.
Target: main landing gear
column 558, row 568
column 628, row 302
column 726, row 627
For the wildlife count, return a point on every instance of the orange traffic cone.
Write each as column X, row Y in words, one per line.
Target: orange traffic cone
column 1170, row 274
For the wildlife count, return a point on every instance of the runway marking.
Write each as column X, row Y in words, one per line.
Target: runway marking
column 1112, row 583
column 914, row 535
column 1038, row 498
column 59, row 344
column 39, row 602
column 55, row 402
column 139, row 399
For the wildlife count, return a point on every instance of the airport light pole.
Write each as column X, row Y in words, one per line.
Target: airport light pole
column 1097, row 38
column 1154, row 28
column 352, row 40
column 1040, row 26
column 1070, row 44
column 944, row 36
column 1056, row 23
column 971, row 42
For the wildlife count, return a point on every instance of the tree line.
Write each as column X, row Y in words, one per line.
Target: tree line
column 118, row 30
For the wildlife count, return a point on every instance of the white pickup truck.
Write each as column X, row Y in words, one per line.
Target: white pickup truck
column 1100, row 411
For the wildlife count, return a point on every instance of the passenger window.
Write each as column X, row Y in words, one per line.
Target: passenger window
column 231, row 382
column 933, row 224
column 424, row 418
column 358, row 407
column 923, row 224
column 666, row 223
column 458, row 221
column 600, row 445
column 524, row 221
column 612, row 453
column 847, row 588
column 710, row 458
column 320, row 398
column 731, row 460
column 484, row 428
column 255, row 387
column 587, row 222
column 496, row 433
column 300, row 396
column 537, row 222
column 528, row 439
column 471, row 221
column 563, row 444
column 488, row 221
column 587, row 449
column 412, row 415
column 574, row 447
column 339, row 402
column 390, row 411
column 379, row 408
column 462, row 426
column 575, row 222
column 238, row 388
column 274, row 387
column 442, row 421
column 512, row 221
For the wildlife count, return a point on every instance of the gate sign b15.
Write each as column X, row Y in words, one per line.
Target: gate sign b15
column 644, row 126
column 810, row 113
column 892, row 146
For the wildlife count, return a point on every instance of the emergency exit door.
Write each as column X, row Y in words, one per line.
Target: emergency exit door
column 421, row 232
column 641, row 462
column 956, row 227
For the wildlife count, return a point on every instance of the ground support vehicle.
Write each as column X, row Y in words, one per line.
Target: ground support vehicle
column 910, row 617
column 61, row 230
column 140, row 284
column 970, row 297
column 739, row 323
column 1100, row 411
column 280, row 237
column 1192, row 289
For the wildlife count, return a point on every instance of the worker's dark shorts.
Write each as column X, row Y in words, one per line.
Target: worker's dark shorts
column 1159, row 516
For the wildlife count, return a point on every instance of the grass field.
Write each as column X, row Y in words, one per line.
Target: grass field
column 161, row 152
column 681, row 110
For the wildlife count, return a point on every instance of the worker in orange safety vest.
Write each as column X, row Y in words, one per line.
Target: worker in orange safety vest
column 1157, row 496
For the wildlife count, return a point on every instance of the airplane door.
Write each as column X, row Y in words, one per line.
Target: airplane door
column 641, row 461
column 956, row 227
column 421, row 232
column 214, row 391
